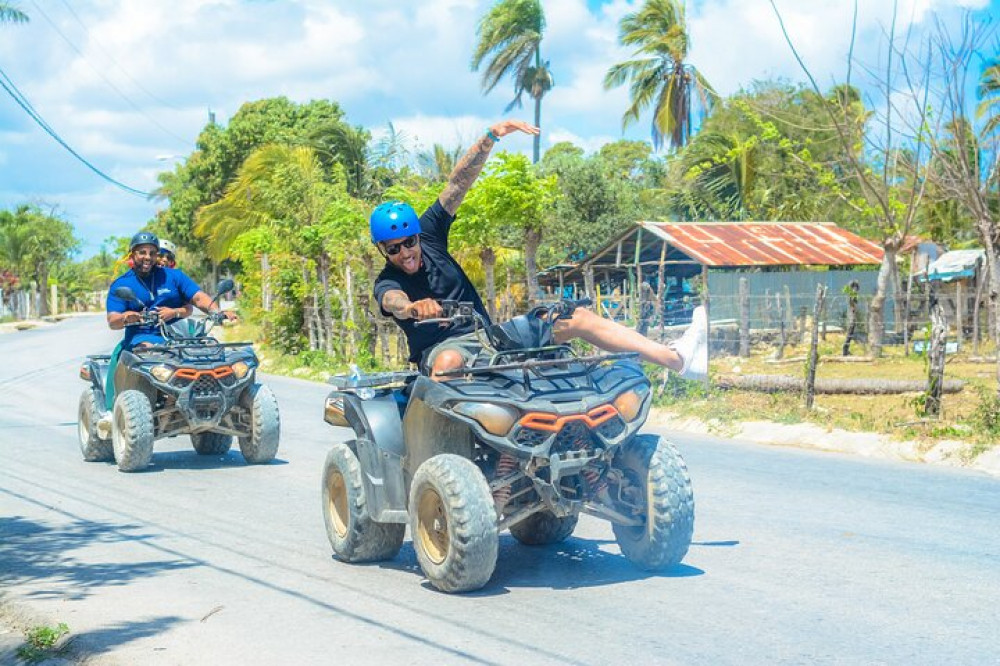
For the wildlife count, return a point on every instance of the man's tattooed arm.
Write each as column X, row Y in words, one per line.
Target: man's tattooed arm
column 396, row 303
column 465, row 173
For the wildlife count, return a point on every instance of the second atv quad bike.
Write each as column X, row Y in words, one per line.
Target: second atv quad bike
column 191, row 384
column 526, row 438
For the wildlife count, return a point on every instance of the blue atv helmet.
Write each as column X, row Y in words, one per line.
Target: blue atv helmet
column 144, row 238
column 393, row 219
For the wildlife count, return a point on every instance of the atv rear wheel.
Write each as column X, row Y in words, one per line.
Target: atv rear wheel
column 657, row 478
column 211, row 443
column 543, row 528
column 262, row 444
column 94, row 448
column 132, row 431
column 355, row 537
column 453, row 523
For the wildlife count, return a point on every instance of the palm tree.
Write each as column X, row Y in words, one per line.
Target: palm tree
column 9, row 13
column 509, row 41
column 438, row 162
column 988, row 93
column 658, row 74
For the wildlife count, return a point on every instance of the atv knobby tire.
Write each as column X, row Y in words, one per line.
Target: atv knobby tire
column 262, row 444
column 657, row 467
column 453, row 523
column 132, row 431
column 93, row 448
column 211, row 443
column 355, row 537
column 543, row 528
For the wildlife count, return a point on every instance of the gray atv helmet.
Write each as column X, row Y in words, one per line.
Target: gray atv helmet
column 144, row 238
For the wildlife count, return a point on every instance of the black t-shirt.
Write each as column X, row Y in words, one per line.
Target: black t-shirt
column 440, row 277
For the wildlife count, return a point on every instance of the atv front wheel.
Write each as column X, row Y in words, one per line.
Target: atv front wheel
column 355, row 537
column 657, row 478
column 211, row 443
column 543, row 528
column 262, row 444
column 132, row 431
column 94, row 448
column 453, row 523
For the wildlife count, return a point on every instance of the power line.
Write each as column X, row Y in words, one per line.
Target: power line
column 104, row 78
column 23, row 102
column 115, row 62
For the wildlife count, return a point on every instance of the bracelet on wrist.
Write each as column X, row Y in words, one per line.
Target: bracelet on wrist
column 493, row 137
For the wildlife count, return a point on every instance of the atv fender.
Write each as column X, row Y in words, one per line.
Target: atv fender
column 379, row 448
column 429, row 432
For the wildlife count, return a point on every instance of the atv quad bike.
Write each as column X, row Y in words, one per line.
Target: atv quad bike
column 526, row 438
column 191, row 384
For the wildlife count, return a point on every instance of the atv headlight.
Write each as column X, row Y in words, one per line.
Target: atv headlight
column 495, row 419
column 161, row 373
column 240, row 369
column 629, row 404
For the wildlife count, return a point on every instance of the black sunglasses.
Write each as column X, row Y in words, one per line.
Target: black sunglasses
column 407, row 242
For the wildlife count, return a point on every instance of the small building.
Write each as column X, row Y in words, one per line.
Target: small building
column 677, row 260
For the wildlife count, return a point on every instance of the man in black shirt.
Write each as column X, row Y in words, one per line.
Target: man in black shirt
column 419, row 273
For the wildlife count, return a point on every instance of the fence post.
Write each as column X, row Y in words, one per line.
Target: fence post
column 814, row 347
column 780, row 308
column 706, row 301
column 744, row 318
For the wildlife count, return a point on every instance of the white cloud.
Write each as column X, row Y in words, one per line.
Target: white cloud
column 383, row 60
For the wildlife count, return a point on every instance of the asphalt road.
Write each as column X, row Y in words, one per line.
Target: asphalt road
column 798, row 557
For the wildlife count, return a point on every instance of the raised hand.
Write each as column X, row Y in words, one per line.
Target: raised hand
column 505, row 127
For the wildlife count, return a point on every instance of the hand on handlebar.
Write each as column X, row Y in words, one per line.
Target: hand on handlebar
column 426, row 308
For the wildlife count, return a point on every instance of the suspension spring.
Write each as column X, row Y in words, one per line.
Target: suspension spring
column 506, row 466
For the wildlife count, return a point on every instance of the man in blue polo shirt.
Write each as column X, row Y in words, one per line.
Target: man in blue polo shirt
column 168, row 291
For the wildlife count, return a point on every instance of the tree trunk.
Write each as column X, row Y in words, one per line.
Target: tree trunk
column 852, row 316
column 810, row 384
column 43, row 291
column 489, row 259
column 876, row 310
column 987, row 232
column 532, row 238
column 536, row 142
column 935, row 356
column 975, row 310
column 265, row 282
column 323, row 275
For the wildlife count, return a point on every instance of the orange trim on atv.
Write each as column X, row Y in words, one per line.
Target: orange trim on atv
column 192, row 373
column 553, row 423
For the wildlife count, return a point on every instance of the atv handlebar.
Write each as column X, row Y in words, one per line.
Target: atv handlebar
column 146, row 318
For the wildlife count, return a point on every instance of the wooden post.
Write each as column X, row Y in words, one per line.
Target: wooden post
column 906, row 311
column 975, row 310
column 779, row 352
column 706, row 301
column 790, row 315
column 560, row 283
column 936, row 358
column 588, row 283
column 661, row 289
column 814, row 347
column 959, row 313
column 744, row 318
column 53, row 299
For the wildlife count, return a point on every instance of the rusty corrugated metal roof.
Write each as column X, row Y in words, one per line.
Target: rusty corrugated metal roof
column 718, row 244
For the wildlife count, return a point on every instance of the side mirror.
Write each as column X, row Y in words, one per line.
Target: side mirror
column 224, row 286
column 125, row 294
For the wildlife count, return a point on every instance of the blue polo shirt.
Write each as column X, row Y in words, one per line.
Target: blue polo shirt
column 163, row 287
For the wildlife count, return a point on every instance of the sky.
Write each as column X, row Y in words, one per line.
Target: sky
column 130, row 84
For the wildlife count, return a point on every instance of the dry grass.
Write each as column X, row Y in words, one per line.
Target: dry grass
column 965, row 415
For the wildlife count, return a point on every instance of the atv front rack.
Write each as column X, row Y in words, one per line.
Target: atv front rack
column 377, row 380
column 534, row 365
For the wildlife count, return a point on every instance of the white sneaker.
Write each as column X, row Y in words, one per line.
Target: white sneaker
column 692, row 347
